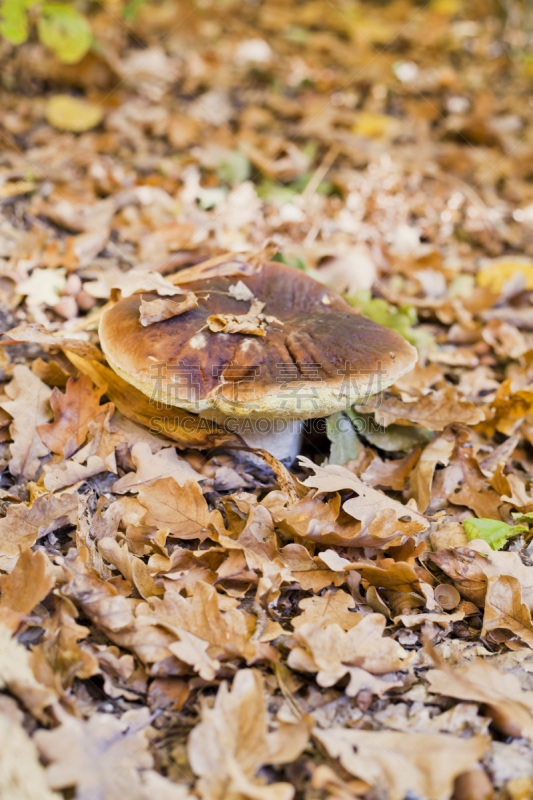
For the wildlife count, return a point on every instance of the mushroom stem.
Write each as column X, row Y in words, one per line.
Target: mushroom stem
column 281, row 438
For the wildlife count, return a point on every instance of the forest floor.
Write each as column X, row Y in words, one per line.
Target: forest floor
column 175, row 623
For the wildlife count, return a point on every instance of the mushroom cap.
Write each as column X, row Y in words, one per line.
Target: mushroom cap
column 317, row 357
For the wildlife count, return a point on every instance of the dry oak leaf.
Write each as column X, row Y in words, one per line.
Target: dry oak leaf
column 438, row 451
column 334, row 653
column 137, row 280
column 233, row 741
column 103, row 757
column 29, row 408
column 434, row 411
column 335, row 606
column 182, row 511
column 369, row 502
column 471, row 567
column 17, row 676
column 151, row 311
column 507, row 410
column 173, row 423
column 228, row 633
column 23, row 525
column 397, row 763
column 28, row 584
column 99, row 599
column 38, row 334
column 253, row 322
column 73, row 412
column 504, row 608
column 509, row 705
column 152, row 466
column 22, row 777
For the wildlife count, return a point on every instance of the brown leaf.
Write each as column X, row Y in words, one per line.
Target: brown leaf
column 73, row 412
column 181, row 511
column 18, row 677
column 433, row 411
column 40, row 335
column 436, row 452
column 396, row 763
column 23, row 525
column 334, row 653
column 253, row 322
column 28, row 584
column 29, row 408
column 334, row 478
column 152, row 311
column 233, row 741
column 151, row 467
column 504, row 608
column 187, row 430
column 332, row 607
column 23, row 776
column 509, row 705
column 118, row 746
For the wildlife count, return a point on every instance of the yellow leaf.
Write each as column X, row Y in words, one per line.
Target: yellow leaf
column 373, row 125
column 68, row 113
column 499, row 272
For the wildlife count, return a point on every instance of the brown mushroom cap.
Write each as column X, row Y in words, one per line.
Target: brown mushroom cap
column 317, row 357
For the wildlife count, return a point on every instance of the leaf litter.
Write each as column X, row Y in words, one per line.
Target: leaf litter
column 175, row 621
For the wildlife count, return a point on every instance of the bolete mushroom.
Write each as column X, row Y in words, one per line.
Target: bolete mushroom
column 259, row 353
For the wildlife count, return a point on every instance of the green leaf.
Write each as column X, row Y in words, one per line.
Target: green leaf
column 401, row 319
column 297, row 263
column 345, row 444
column 492, row 531
column 234, row 168
column 13, row 21
column 64, row 31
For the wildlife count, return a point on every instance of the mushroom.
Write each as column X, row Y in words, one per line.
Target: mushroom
column 259, row 353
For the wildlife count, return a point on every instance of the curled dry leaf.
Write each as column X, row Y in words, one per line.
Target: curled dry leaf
column 397, row 763
column 253, row 322
column 509, row 705
column 433, row 411
column 38, row 334
column 157, row 310
column 233, row 741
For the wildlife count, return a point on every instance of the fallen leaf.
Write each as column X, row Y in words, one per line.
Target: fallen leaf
column 253, row 322
column 509, row 705
column 504, row 608
column 23, row 776
column 73, row 412
column 187, row 430
column 181, row 511
column 118, row 746
column 17, row 676
column 232, row 742
column 28, row 405
column 397, row 763
column 334, row 478
column 157, row 310
column 151, row 467
column 23, row 524
column 333, row 653
column 25, row 587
